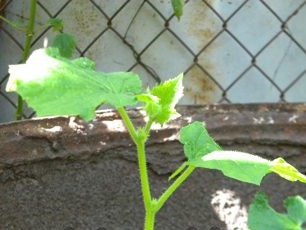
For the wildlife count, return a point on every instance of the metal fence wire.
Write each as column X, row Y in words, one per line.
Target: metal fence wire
column 238, row 51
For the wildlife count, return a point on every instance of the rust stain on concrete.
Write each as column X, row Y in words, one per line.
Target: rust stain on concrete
column 200, row 17
column 84, row 21
column 199, row 89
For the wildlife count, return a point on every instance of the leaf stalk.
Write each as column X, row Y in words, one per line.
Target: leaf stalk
column 26, row 51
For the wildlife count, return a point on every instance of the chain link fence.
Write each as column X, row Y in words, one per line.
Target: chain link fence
column 240, row 51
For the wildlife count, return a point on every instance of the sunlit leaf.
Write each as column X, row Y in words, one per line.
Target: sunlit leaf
column 203, row 152
column 287, row 171
column 237, row 165
column 161, row 100
column 53, row 85
column 246, row 167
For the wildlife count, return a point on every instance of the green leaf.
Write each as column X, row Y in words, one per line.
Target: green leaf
column 147, row 98
column 57, row 24
column 197, row 141
column 65, row 43
column 296, row 207
column 53, row 85
column 161, row 100
column 287, row 171
column 237, row 165
column 262, row 217
column 202, row 151
column 244, row 167
column 177, row 6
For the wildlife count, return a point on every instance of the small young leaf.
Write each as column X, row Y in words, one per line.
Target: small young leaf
column 197, row 141
column 161, row 100
column 57, row 24
column 262, row 217
column 147, row 98
column 53, row 85
column 65, row 43
column 177, row 6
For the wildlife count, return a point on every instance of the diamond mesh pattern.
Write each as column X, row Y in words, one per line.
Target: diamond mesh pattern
column 238, row 51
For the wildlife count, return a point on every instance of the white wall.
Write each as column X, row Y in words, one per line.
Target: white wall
column 241, row 59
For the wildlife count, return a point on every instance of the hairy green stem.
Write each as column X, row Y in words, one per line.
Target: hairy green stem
column 150, row 219
column 139, row 139
column 165, row 196
column 129, row 125
column 152, row 206
column 26, row 51
column 148, row 127
column 144, row 179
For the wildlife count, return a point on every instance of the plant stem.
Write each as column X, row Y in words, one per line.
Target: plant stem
column 12, row 24
column 148, row 127
column 165, row 196
column 152, row 206
column 144, row 179
column 150, row 220
column 145, row 187
column 26, row 51
column 139, row 140
column 129, row 125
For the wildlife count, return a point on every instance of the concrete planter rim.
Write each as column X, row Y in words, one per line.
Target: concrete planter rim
column 54, row 165
column 257, row 123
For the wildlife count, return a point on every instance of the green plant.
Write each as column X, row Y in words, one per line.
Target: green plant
column 54, row 85
column 262, row 216
column 28, row 30
column 64, row 42
column 177, row 6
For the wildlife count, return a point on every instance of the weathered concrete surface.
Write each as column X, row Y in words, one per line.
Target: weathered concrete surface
column 58, row 174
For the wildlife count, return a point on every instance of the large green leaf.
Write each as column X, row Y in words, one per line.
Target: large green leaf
column 202, row 151
column 161, row 100
column 53, row 85
column 262, row 217
column 237, row 165
column 247, row 167
column 197, row 142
